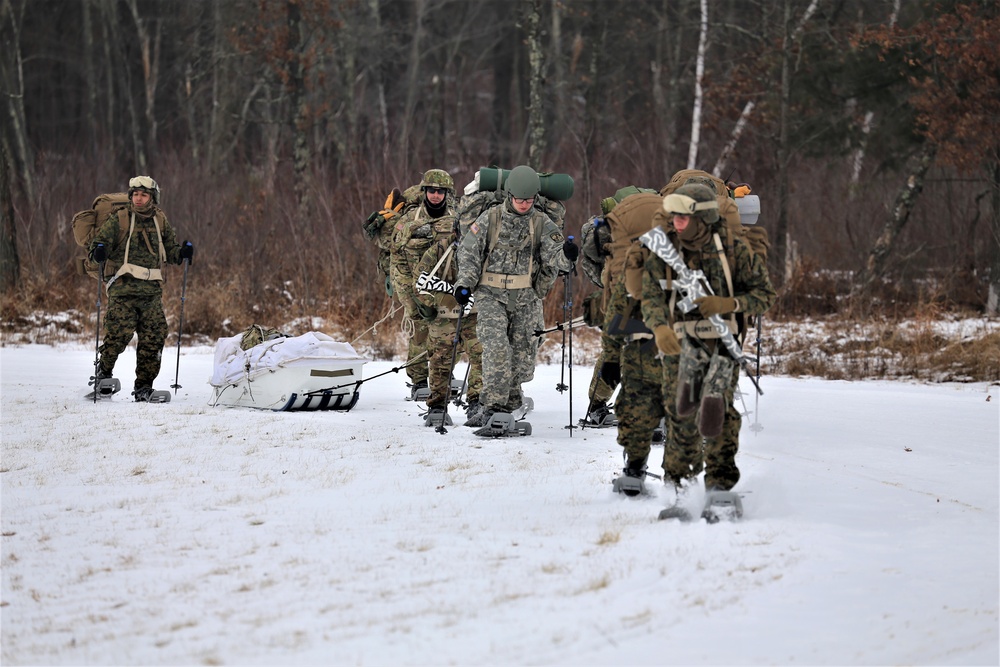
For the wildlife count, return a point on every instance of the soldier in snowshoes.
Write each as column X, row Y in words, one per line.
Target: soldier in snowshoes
column 441, row 311
column 595, row 238
column 510, row 257
column 135, row 291
column 413, row 234
column 699, row 375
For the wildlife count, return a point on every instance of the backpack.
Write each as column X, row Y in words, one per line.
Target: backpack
column 756, row 237
column 629, row 220
column 86, row 223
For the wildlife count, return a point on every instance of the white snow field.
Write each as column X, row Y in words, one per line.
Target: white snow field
column 182, row 534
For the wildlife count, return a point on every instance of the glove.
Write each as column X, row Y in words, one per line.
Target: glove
column 99, row 254
column 373, row 224
column 666, row 340
column 716, row 305
column 428, row 313
column 611, row 373
column 393, row 204
column 462, row 295
column 571, row 250
column 187, row 251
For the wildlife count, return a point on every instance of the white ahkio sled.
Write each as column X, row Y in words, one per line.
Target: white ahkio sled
column 307, row 372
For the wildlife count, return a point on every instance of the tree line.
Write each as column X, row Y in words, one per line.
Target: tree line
column 868, row 128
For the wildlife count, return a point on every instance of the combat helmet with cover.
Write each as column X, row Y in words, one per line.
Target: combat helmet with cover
column 437, row 178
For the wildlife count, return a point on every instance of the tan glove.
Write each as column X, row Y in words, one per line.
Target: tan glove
column 717, row 305
column 666, row 340
column 393, row 204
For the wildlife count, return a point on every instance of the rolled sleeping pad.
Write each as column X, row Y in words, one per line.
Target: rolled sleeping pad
column 749, row 207
column 554, row 186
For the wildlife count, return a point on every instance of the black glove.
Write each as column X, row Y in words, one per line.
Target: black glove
column 428, row 313
column 611, row 373
column 187, row 251
column 571, row 250
column 462, row 295
column 99, row 254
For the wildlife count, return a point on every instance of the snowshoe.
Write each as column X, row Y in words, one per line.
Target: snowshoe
column 104, row 387
column 632, row 480
column 502, row 425
column 419, row 391
column 600, row 416
column 527, row 405
column 435, row 417
column 718, row 505
column 721, row 505
column 150, row 395
column 457, row 388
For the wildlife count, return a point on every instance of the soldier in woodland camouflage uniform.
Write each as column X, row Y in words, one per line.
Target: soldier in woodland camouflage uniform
column 413, row 234
column 595, row 236
column 441, row 261
column 135, row 293
column 691, row 221
column 510, row 256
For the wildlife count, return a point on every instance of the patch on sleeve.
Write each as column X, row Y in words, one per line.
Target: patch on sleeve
column 474, row 228
column 399, row 226
column 556, row 236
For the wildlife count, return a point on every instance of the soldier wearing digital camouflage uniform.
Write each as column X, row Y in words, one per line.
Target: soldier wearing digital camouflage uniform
column 695, row 365
column 135, row 292
column 441, row 261
column 510, row 258
column 413, row 234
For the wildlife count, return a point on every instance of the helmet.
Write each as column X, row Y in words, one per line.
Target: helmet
column 437, row 178
column 694, row 199
column 523, row 182
column 146, row 184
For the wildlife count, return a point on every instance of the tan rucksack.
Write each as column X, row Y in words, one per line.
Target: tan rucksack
column 629, row 220
column 87, row 222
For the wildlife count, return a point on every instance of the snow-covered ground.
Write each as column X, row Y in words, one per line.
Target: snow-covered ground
column 187, row 534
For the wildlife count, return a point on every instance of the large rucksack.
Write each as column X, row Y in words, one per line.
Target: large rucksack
column 629, row 220
column 86, row 223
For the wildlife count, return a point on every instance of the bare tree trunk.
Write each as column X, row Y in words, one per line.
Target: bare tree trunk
column 536, row 75
column 10, row 265
column 12, row 78
column 699, row 94
column 149, row 48
column 993, row 296
column 301, row 155
column 90, row 74
column 781, row 232
column 503, row 78
column 413, row 87
column 874, row 267
column 734, row 137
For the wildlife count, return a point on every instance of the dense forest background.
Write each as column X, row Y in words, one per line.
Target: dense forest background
column 869, row 129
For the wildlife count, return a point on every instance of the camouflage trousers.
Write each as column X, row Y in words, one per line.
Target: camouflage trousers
column 440, row 343
column 141, row 315
column 600, row 391
column 686, row 452
column 508, row 320
column 639, row 407
column 418, row 340
column 416, row 345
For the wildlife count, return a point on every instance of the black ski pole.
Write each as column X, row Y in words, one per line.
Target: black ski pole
column 180, row 328
column 97, row 331
column 465, row 384
column 451, row 369
column 756, row 427
column 569, row 311
column 561, row 387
